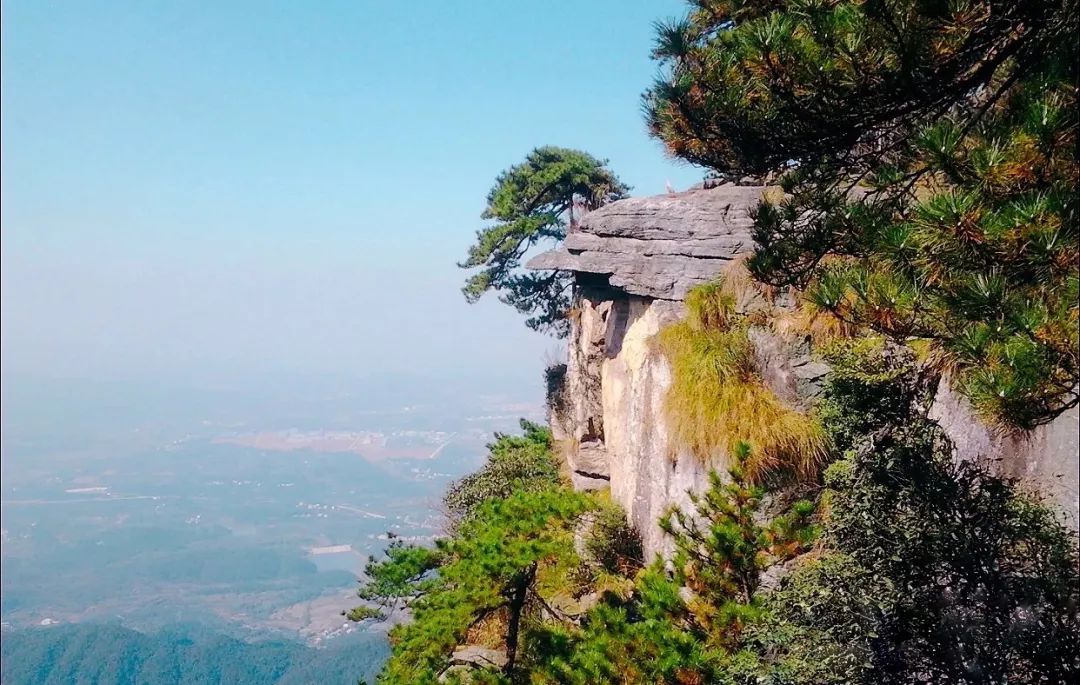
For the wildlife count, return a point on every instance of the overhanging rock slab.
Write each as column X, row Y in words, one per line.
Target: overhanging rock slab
column 660, row 246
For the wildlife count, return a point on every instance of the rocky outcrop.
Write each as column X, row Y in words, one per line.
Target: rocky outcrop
column 614, row 434
column 660, row 247
column 579, row 424
column 634, row 262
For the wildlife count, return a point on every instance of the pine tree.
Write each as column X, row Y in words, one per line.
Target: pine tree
column 485, row 580
column 531, row 204
column 515, row 463
column 928, row 154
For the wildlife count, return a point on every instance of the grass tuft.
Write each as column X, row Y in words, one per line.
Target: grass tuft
column 711, row 307
column 809, row 319
column 717, row 400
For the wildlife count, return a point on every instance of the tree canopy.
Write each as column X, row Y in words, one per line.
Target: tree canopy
column 928, row 154
column 515, row 463
column 483, row 582
column 533, row 203
column 507, row 553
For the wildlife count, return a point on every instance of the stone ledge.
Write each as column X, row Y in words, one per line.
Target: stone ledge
column 660, row 246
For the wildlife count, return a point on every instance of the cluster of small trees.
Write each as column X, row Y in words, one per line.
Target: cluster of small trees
column 928, row 156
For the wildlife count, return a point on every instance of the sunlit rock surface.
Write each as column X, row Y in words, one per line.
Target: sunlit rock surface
column 660, row 247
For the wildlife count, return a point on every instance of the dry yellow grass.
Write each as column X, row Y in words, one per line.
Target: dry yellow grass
column 717, row 400
column 489, row 632
column 822, row 326
column 750, row 294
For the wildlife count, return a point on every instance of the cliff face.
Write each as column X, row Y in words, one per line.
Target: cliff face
column 1046, row 458
column 634, row 262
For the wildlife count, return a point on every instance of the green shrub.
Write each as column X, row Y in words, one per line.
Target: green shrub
column 685, row 621
column 872, row 384
column 971, row 558
column 486, row 583
column 515, row 463
column 612, row 543
column 935, row 571
column 555, row 390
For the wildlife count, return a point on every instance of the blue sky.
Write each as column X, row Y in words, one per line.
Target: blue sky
column 192, row 189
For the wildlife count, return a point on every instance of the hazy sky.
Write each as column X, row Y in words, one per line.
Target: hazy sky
column 193, row 189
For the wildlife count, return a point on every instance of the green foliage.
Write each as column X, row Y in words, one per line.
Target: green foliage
column 406, row 572
column 522, row 463
column 717, row 399
column 555, row 398
column 516, row 463
column 942, row 573
column 531, row 204
column 817, row 629
column 936, row 571
column 612, row 543
column 751, row 84
column 722, row 548
column 686, row 619
column 489, row 577
column 866, row 373
column 511, row 534
column 639, row 640
column 930, row 158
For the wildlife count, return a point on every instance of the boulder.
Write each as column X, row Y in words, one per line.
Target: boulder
column 468, row 658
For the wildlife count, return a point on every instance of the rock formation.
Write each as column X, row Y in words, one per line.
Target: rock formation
column 660, row 247
column 634, row 262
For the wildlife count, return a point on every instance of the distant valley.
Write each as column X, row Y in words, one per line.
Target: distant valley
column 228, row 524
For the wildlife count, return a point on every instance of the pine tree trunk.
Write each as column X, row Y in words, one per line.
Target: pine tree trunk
column 516, row 608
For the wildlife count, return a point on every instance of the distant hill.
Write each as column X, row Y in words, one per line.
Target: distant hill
column 113, row 655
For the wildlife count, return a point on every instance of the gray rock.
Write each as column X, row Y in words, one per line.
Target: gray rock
column 479, row 657
column 588, row 462
column 1044, row 459
column 591, row 459
column 773, row 576
column 467, row 659
column 660, row 246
